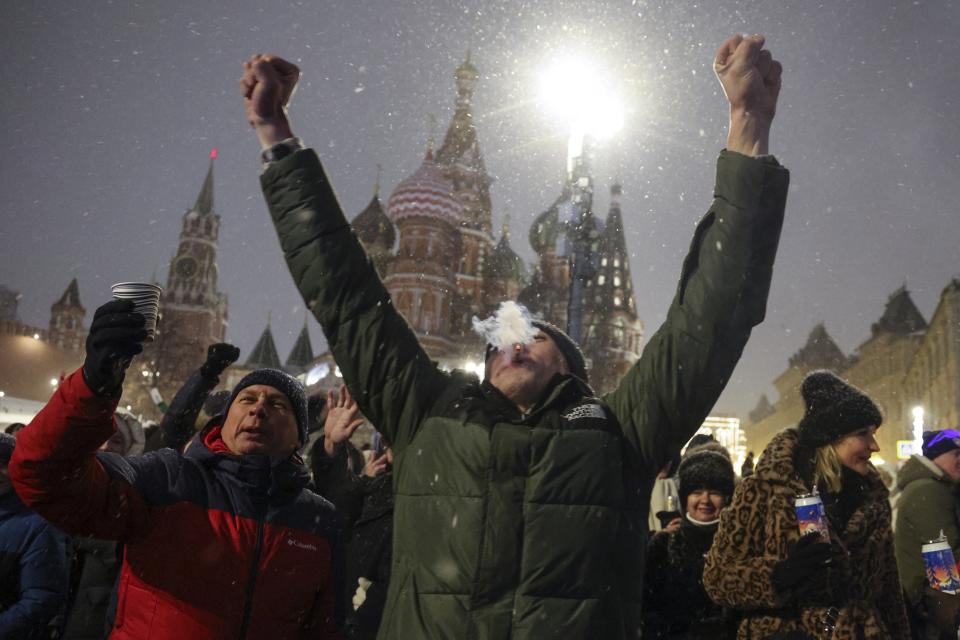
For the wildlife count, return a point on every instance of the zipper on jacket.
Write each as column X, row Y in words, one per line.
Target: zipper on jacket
column 248, row 597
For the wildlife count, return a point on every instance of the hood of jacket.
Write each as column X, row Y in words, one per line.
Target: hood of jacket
column 920, row 468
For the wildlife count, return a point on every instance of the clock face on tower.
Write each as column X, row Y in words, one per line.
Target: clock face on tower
column 186, row 267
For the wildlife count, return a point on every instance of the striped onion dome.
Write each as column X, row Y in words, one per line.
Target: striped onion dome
column 425, row 193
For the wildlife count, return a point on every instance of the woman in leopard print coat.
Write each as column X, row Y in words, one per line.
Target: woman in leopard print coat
column 853, row 592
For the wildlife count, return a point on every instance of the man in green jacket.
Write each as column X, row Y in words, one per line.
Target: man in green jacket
column 926, row 506
column 521, row 501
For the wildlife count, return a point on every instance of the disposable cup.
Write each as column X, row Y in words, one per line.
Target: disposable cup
column 941, row 568
column 146, row 301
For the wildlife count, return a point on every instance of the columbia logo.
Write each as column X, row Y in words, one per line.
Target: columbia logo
column 586, row 411
column 301, row 545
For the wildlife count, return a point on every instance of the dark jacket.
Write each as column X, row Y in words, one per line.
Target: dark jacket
column 339, row 478
column 179, row 421
column 216, row 545
column 97, row 564
column 675, row 605
column 33, row 571
column 759, row 527
column 528, row 525
column 368, row 505
column 925, row 508
column 370, row 556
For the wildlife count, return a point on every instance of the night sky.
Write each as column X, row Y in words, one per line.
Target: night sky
column 110, row 110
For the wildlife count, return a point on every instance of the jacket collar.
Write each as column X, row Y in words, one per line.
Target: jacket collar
column 562, row 390
column 281, row 482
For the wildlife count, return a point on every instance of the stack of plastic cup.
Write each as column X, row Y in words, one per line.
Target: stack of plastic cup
column 146, row 301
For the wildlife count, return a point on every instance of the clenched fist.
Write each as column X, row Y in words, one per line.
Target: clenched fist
column 267, row 85
column 750, row 78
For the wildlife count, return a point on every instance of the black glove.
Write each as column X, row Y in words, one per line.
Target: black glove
column 806, row 558
column 219, row 356
column 116, row 335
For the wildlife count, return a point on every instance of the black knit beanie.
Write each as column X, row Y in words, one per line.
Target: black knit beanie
column 571, row 352
column 936, row 443
column 7, row 443
column 285, row 384
column 833, row 410
column 704, row 470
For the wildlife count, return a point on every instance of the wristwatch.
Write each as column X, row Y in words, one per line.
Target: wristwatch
column 281, row 150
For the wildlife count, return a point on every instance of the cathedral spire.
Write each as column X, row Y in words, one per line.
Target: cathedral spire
column 204, row 204
column 302, row 353
column 264, row 354
column 466, row 76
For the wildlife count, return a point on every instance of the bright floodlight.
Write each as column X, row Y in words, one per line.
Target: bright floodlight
column 582, row 95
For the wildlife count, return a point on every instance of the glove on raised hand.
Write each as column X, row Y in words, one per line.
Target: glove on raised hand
column 807, row 557
column 219, row 356
column 116, row 335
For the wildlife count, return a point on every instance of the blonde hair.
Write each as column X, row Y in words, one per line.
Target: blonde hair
column 827, row 467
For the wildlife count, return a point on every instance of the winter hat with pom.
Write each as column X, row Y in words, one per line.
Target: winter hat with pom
column 705, row 470
column 834, row 409
column 285, row 384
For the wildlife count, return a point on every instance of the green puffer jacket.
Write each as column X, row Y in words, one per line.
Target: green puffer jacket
column 532, row 525
column 926, row 507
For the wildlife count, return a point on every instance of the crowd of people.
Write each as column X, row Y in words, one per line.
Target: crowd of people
column 517, row 506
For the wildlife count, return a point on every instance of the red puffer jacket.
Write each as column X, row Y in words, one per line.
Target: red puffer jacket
column 216, row 545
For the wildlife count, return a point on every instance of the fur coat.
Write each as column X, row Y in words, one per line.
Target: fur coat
column 758, row 528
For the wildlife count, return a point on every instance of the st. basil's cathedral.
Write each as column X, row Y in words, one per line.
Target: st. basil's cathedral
column 434, row 246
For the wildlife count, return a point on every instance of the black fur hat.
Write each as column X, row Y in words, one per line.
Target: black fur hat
column 834, row 409
column 704, row 470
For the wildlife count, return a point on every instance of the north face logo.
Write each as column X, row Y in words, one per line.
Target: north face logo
column 586, row 411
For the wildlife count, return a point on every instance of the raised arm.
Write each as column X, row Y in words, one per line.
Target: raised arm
column 177, row 426
column 383, row 364
column 54, row 467
column 726, row 275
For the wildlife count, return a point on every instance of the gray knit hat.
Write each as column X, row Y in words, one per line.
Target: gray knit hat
column 834, row 409
column 285, row 384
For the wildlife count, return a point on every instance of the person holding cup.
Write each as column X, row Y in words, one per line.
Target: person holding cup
column 224, row 540
column 839, row 585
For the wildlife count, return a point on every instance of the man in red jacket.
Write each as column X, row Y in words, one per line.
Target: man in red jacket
column 223, row 541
